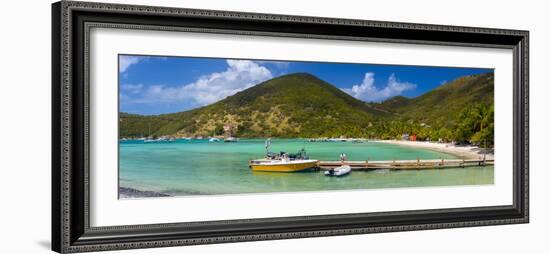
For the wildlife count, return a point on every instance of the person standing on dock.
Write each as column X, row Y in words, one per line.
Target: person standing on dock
column 343, row 157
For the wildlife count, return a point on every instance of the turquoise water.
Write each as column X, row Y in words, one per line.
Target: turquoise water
column 192, row 167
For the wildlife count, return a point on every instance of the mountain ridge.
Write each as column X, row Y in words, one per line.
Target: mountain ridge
column 302, row 105
column 450, row 97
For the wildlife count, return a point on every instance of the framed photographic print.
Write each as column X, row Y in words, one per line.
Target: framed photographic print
column 181, row 126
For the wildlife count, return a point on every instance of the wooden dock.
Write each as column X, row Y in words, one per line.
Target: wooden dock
column 406, row 164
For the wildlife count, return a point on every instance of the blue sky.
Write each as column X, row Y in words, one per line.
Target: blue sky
column 155, row 85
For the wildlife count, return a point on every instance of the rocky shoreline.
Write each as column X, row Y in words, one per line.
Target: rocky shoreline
column 125, row 192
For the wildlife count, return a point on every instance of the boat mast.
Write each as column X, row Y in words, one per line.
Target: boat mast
column 267, row 145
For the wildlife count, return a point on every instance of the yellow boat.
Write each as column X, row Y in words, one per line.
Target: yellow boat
column 282, row 162
column 282, row 165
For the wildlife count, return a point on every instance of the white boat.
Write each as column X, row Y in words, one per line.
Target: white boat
column 231, row 139
column 339, row 171
column 152, row 140
column 160, row 140
column 214, row 140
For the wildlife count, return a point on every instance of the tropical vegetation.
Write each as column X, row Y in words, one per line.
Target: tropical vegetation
column 302, row 105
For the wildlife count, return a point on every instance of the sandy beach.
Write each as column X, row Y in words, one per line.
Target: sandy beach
column 462, row 151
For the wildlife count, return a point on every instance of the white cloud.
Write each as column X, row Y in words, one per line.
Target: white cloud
column 207, row 89
column 130, row 88
column 366, row 91
column 124, row 62
column 277, row 64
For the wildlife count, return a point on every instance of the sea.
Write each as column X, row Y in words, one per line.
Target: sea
column 200, row 167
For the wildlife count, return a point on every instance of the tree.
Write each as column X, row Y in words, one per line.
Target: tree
column 218, row 130
column 476, row 124
column 486, row 128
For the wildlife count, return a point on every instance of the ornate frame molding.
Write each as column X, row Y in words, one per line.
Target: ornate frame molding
column 71, row 22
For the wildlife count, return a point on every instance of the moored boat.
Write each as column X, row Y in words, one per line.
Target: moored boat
column 282, row 165
column 339, row 171
column 159, row 140
column 282, row 162
column 231, row 139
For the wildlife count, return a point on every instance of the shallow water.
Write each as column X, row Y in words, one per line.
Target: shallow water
column 201, row 167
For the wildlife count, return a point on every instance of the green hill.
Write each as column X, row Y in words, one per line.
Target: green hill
column 462, row 109
column 441, row 105
column 302, row 105
column 295, row 105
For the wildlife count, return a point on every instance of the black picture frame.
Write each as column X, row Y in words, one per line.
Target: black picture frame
column 71, row 22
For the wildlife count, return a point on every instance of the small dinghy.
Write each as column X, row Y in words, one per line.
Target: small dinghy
column 339, row 171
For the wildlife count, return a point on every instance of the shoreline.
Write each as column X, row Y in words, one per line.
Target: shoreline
column 463, row 152
column 125, row 192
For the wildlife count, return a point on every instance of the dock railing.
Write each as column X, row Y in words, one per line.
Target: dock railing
column 406, row 164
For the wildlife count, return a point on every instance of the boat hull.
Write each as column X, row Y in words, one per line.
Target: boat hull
column 339, row 171
column 284, row 167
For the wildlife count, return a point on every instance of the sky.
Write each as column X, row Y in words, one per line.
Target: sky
column 151, row 85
